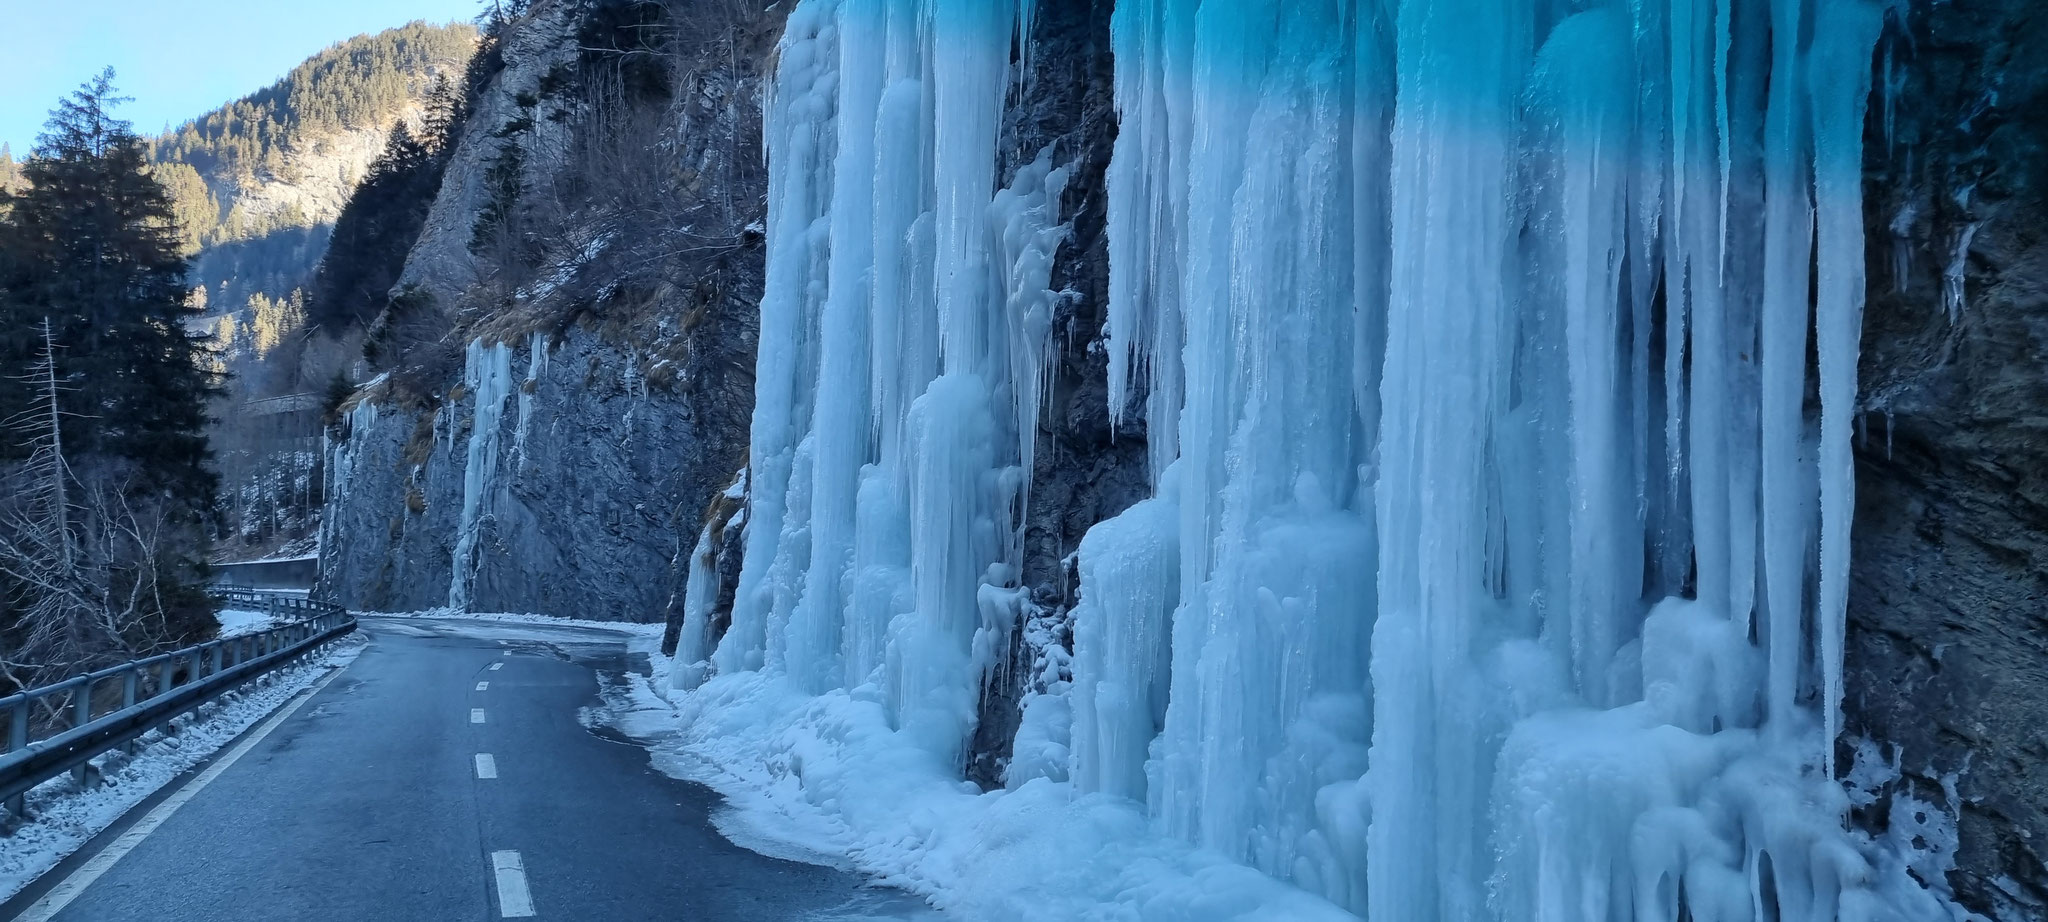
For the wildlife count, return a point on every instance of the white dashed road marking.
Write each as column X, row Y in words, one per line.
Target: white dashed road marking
column 514, row 900
column 482, row 686
column 486, row 767
column 497, row 666
column 476, row 715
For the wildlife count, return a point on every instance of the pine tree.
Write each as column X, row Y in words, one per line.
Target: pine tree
column 91, row 245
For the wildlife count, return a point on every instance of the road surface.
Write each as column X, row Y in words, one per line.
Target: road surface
column 445, row 775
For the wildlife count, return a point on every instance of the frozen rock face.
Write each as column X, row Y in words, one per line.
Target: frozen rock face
column 1086, row 468
column 1947, row 654
column 584, row 476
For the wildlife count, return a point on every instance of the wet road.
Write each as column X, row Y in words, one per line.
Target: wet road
column 445, row 775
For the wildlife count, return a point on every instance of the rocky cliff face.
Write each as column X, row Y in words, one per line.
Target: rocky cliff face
column 595, row 474
column 1948, row 641
column 542, row 43
column 607, row 383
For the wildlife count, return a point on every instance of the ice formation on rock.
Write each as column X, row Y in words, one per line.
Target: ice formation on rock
column 487, row 375
column 1496, row 569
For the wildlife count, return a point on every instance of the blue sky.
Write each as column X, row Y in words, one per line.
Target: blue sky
column 177, row 58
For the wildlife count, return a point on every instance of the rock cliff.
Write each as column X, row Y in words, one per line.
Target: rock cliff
column 591, row 393
column 1948, row 640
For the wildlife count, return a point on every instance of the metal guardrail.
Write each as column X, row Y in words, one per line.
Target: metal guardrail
column 153, row 692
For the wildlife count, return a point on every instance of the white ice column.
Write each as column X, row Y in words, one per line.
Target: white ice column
column 799, row 138
column 1460, row 70
column 487, row 374
column 841, row 410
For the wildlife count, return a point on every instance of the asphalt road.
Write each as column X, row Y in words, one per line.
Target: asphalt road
column 367, row 804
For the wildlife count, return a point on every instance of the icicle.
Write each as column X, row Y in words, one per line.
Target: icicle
column 1460, row 68
column 1839, row 81
column 536, row 365
column 799, row 112
column 1788, row 236
column 1592, row 123
column 841, row 408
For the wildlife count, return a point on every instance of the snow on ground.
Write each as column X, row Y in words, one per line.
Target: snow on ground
column 235, row 622
column 826, row 780
column 66, row 818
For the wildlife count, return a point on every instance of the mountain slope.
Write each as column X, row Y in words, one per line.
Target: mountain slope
column 257, row 186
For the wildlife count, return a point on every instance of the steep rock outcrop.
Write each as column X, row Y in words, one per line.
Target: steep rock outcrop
column 1947, row 650
column 595, row 474
column 609, row 360
column 539, row 44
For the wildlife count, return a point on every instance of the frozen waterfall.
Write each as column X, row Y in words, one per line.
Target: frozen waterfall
column 1496, row 568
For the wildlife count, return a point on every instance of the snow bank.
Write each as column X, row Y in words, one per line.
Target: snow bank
column 235, row 623
column 826, row 777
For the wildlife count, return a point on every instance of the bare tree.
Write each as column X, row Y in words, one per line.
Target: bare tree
column 79, row 555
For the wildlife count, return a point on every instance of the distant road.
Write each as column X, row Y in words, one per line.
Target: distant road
column 442, row 776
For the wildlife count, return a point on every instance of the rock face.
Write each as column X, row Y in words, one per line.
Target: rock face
column 596, row 473
column 441, row 262
column 566, row 469
column 1947, row 652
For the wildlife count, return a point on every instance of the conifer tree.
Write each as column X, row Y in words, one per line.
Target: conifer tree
column 90, row 245
column 96, row 249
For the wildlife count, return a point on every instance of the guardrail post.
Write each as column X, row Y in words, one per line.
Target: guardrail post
column 216, row 658
column 17, row 738
column 81, row 714
column 128, row 683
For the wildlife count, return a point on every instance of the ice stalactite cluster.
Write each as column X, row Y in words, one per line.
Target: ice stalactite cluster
column 536, row 365
column 904, row 325
column 487, row 376
column 1511, row 301
column 343, row 456
column 1496, row 567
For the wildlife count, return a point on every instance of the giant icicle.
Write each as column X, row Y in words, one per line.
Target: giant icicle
column 903, row 332
column 1470, row 337
column 487, row 375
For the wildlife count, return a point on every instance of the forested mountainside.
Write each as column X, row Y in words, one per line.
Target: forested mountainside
column 257, row 186
column 1014, row 278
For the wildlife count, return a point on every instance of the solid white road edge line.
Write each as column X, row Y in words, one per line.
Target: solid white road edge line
column 476, row 715
column 486, row 767
column 514, row 900
column 67, row 890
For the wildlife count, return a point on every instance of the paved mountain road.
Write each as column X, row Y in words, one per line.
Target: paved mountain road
column 371, row 801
